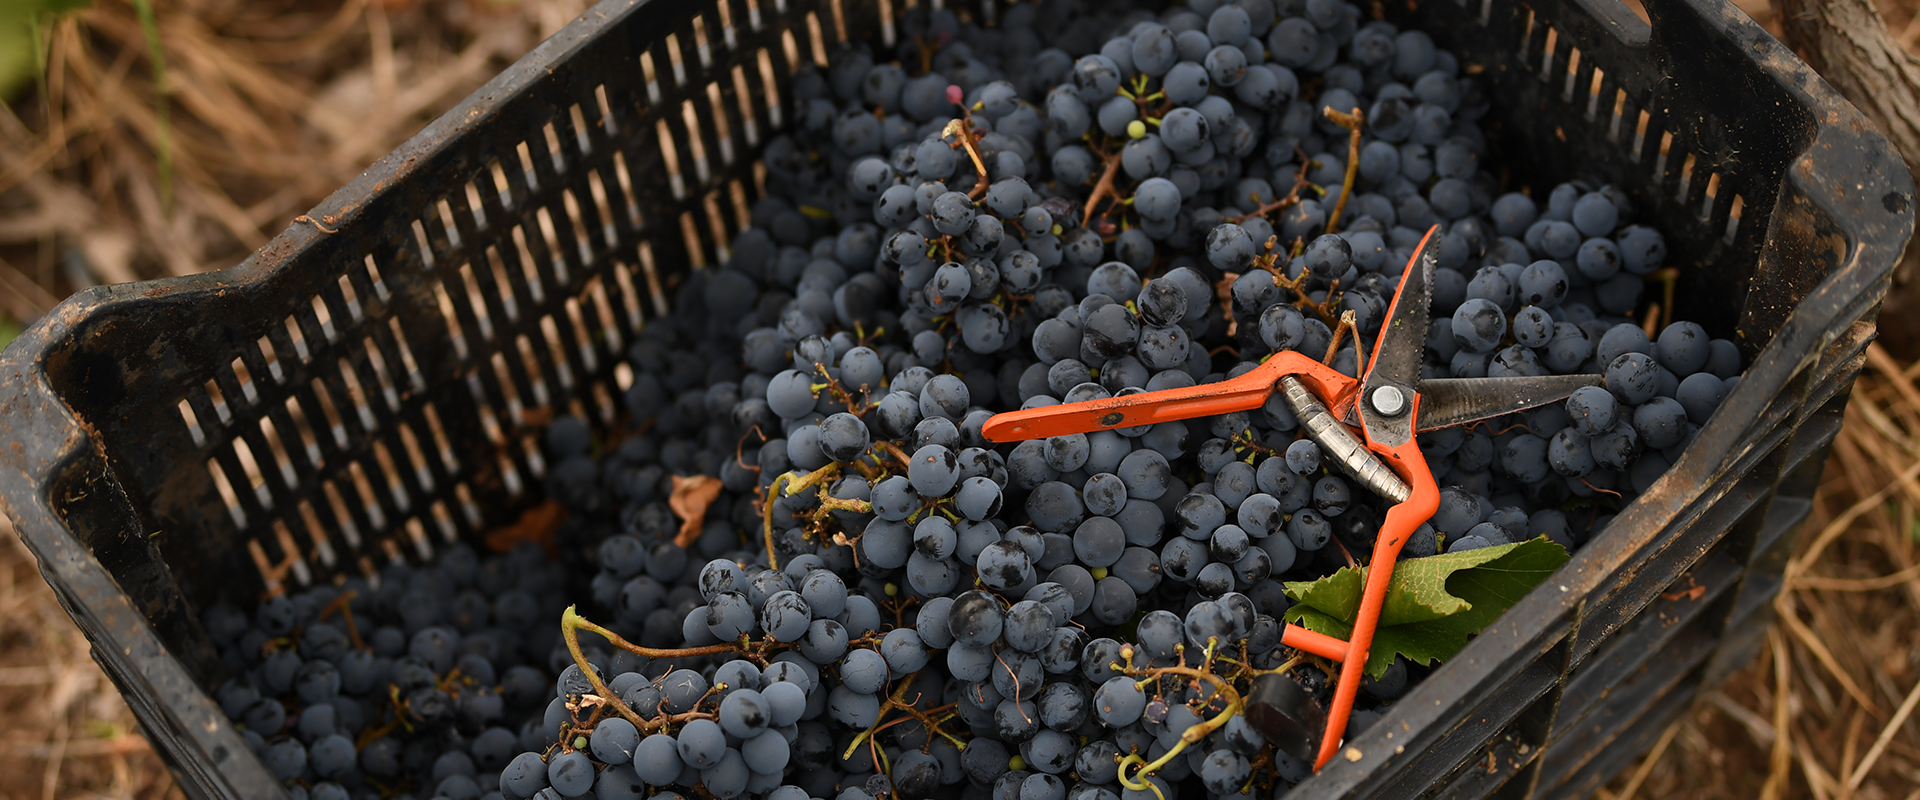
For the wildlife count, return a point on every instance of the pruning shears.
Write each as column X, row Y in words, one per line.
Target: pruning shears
column 1388, row 404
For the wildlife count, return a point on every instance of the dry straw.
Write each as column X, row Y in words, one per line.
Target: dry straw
column 183, row 145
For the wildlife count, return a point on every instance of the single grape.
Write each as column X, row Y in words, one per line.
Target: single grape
column 570, row 774
column 656, row 760
column 701, row 743
column 1478, row 325
column 614, row 740
column 526, row 775
column 933, row 471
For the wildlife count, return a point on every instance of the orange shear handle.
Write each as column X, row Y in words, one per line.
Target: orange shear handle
column 1245, row 393
column 1401, row 522
column 1319, row 644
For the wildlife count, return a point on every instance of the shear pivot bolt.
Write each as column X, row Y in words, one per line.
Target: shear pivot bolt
column 1389, row 400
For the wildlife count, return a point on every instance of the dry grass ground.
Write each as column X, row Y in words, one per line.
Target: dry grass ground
column 1841, row 676
column 270, row 106
column 64, row 732
column 274, row 104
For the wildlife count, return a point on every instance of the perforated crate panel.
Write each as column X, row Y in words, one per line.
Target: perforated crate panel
column 371, row 384
column 399, row 407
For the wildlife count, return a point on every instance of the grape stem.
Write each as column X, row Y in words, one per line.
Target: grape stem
column 1321, row 309
column 1346, row 554
column 1347, row 324
column 830, row 503
column 1192, row 734
column 1141, row 98
column 928, row 48
column 817, row 477
column 872, row 472
column 1253, row 770
column 343, row 604
column 1598, row 489
column 1103, row 188
column 840, row 393
column 980, row 182
column 898, row 700
column 1289, row 664
column 1292, row 196
column 792, row 486
column 962, row 128
column 371, row 734
column 1353, row 122
column 571, row 623
column 766, row 516
column 400, row 707
column 894, row 450
column 1296, row 285
column 1246, row 440
column 742, row 443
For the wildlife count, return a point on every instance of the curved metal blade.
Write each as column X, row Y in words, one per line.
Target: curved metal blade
column 1402, row 344
column 1445, row 402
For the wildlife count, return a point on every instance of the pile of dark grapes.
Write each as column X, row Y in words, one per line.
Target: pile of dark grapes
column 423, row 682
column 1080, row 203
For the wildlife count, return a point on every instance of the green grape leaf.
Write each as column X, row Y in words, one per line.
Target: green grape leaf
column 1433, row 604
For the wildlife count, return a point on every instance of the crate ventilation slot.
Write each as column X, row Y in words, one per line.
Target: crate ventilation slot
column 1688, row 178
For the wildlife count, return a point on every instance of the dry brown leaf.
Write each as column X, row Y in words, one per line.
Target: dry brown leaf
column 1693, row 592
column 537, row 524
column 690, row 499
column 585, row 701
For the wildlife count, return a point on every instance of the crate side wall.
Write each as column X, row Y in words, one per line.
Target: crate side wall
column 1586, row 93
column 367, row 398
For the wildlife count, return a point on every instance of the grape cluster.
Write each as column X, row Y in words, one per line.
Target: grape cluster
column 869, row 598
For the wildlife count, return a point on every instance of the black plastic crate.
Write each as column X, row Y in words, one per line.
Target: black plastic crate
column 359, row 389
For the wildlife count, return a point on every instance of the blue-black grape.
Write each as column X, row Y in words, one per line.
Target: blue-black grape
column 1661, row 422
column 1156, row 199
column 656, row 760
column 614, row 740
column 570, row 774
column 1632, row 377
column 933, row 470
column 1642, row 249
column 1478, row 325
column 1617, row 448
column 1115, row 114
column 1700, row 394
column 1594, row 214
column 1074, row 166
column 1683, row 348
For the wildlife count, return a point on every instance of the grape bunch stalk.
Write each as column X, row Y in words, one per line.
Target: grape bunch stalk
column 1215, row 699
